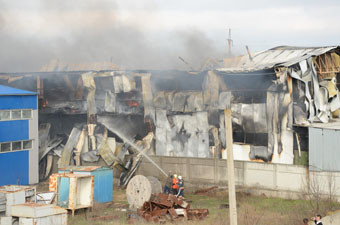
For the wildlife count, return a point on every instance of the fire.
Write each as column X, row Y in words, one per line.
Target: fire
column 133, row 103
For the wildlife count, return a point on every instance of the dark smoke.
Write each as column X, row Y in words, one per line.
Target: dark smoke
column 197, row 47
column 89, row 31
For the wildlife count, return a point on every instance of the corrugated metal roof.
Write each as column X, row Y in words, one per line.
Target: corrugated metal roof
column 5, row 90
column 279, row 56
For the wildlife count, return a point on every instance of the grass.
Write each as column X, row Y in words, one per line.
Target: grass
column 252, row 210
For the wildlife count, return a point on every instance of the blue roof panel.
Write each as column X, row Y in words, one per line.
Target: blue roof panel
column 5, row 90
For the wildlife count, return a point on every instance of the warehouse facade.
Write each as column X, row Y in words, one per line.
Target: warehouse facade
column 19, row 146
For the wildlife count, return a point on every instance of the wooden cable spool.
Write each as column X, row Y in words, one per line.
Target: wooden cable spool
column 140, row 189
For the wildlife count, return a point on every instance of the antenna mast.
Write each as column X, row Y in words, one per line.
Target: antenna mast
column 230, row 43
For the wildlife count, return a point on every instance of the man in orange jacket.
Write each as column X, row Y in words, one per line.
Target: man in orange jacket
column 174, row 185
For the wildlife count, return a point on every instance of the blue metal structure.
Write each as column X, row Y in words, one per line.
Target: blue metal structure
column 18, row 136
column 103, row 180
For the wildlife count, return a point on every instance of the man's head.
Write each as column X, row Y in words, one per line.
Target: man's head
column 175, row 176
column 305, row 220
column 318, row 217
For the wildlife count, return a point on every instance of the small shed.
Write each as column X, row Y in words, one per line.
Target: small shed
column 19, row 147
column 103, row 180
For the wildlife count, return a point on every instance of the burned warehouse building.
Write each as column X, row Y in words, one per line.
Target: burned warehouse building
column 98, row 113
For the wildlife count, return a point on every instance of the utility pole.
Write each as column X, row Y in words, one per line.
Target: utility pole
column 230, row 165
column 230, row 42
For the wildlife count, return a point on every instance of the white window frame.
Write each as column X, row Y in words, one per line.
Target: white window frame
column 11, row 146
column 21, row 114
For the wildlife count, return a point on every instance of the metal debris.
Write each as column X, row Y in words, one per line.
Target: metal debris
column 45, row 198
column 146, row 144
column 167, row 207
column 107, row 149
column 91, row 156
column 72, row 141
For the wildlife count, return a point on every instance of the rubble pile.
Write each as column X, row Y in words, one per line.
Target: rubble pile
column 167, row 207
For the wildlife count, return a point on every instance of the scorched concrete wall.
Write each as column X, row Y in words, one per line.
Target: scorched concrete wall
column 275, row 180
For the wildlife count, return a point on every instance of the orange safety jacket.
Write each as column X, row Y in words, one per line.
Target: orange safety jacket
column 174, row 183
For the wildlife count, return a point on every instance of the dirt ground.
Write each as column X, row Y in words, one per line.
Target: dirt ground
column 252, row 210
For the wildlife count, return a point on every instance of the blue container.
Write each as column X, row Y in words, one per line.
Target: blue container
column 103, row 180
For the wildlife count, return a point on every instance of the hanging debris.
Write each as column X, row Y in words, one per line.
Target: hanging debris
column 67, row 152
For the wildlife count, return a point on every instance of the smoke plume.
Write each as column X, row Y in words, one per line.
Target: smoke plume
column 81, row 31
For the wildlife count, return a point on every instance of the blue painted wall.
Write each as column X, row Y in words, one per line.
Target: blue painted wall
column 14, row 168
column 14, row 130
column 18, row 102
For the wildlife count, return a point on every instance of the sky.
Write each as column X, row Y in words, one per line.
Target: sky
column 152, row 34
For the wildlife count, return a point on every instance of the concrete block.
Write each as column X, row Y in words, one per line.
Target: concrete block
column 203, row 172
column 290, row 181
column 259, row 178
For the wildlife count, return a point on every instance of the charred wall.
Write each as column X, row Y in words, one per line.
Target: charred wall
column 183, row 109
column 249, row 95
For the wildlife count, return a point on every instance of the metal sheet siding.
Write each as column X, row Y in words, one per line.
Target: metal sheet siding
column 14, row 130
column 14, row 168
column 103, row 185
column 18, row 102
column 324, row 149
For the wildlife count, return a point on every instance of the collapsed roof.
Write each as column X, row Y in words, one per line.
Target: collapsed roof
column 275, row 57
